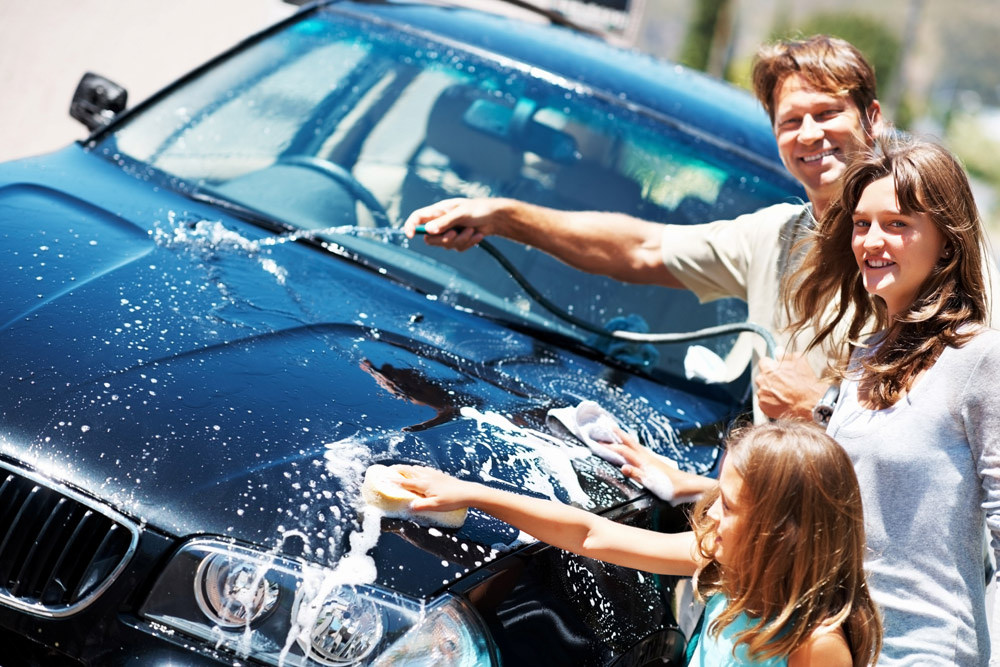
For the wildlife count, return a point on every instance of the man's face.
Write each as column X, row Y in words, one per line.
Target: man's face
column 817, row 133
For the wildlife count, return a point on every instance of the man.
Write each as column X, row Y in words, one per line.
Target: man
column 820, row 96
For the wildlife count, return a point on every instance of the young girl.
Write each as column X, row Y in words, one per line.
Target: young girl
column 918, row 412
column 778, row 548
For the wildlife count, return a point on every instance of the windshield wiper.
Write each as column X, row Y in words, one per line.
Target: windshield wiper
column 241, row 211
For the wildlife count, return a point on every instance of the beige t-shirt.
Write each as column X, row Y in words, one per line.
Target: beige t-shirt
column 744, row 258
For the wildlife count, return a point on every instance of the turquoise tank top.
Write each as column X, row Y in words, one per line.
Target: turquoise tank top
column 712, row 651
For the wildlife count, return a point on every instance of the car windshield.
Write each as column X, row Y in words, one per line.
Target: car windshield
column 341, row 128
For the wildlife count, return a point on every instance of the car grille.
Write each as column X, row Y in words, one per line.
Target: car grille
column 58, row 550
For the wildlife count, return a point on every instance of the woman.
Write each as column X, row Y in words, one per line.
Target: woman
column 918, row 415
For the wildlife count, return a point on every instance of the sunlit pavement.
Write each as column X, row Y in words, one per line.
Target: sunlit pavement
column 46, row 46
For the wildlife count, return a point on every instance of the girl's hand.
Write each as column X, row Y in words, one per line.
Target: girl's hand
column 640, row 462
column 657, row 473
column 439, row 491
column 555, row 523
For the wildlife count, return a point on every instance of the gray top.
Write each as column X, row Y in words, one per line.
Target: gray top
column 929, row 470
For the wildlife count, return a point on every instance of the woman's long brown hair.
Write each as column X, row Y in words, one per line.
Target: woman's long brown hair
column 799, row 562
column 827, row 290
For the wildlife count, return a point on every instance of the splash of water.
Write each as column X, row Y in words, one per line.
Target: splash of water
column 346, row 460
column 378, row 233
column 355, row 568
column 206, row 237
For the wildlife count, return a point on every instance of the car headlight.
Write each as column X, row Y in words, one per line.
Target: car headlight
column 282, row 611
column 347, row 629
column 233, row 592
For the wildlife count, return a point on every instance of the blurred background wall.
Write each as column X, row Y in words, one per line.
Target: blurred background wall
column 938, row 62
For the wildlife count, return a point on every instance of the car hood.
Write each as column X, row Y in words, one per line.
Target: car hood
column 204, row 379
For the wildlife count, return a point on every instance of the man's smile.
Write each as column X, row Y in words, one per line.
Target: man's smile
column 819, row 156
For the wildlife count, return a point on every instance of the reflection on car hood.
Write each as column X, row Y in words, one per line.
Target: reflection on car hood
column 205, row 381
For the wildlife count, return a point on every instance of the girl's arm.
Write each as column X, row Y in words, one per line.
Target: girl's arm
column 560, row 525
column 826, row 648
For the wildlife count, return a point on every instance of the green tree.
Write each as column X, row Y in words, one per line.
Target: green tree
column 709, row 26
column 980, row 154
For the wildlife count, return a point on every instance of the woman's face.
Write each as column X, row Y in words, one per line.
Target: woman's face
column 895, row 252
column 726, row 511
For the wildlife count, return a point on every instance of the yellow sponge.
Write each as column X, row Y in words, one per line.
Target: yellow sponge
column 381, row 490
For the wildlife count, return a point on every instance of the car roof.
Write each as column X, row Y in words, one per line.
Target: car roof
column 717, row 111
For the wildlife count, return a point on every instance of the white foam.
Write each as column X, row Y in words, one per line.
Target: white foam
column 347, row 460
column 355, row 567
column 551, row 457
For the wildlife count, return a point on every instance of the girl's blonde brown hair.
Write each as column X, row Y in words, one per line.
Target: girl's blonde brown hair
column 930, row 180
column 799, row 564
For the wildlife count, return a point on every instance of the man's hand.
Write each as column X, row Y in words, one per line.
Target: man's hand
column 457, row 224
column 787, row 388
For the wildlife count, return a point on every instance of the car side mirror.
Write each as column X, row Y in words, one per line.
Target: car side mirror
column 97, row 100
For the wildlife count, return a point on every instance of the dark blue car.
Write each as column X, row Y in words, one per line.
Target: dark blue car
column 211, row 326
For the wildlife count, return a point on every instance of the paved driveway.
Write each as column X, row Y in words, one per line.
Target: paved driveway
column 46, row 45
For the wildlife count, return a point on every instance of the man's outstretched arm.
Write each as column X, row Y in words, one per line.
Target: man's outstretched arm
column 610, row 244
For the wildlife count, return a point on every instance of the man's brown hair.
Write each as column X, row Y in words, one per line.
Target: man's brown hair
column 829, row 64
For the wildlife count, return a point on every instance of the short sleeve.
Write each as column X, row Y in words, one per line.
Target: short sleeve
column 721, row 259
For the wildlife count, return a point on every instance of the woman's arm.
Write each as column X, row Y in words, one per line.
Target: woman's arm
column 560, row 525
column 981, row 420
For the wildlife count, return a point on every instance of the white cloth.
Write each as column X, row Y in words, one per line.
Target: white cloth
column 701, row 363
column 594, row 427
